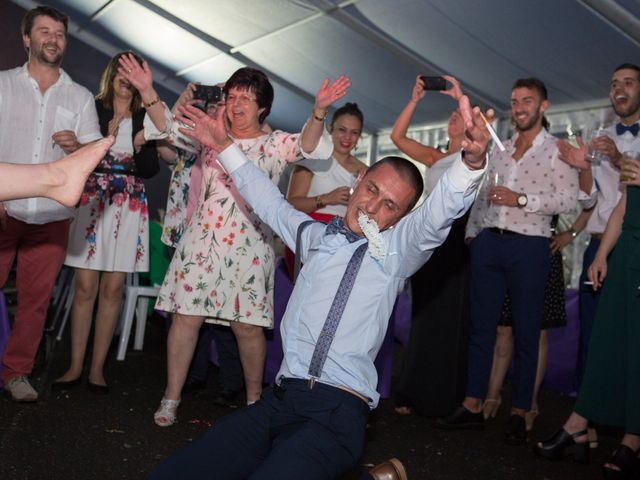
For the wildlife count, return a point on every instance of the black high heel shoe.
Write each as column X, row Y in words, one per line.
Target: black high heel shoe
column 562, row 443
column 627, row 462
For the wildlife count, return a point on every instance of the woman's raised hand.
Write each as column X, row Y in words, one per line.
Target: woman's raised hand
column 418, row 90
column 186, row 97
column 331, row 92
column 455, row 91
column 138, row 75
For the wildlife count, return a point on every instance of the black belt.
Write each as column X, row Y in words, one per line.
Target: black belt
column 311, row 384
column 113, row 171
column 502, row 231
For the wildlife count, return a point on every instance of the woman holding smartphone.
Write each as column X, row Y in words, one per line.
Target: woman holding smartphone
column 439, row 287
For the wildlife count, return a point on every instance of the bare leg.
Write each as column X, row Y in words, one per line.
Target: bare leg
column 62, row 180
column 576, row 423
column 473, row 404
column 631, row 440
column 111, row 287
column 81, row 314
column 543, row 354
column 181, row 343
column 501, row 358
column 252, row 346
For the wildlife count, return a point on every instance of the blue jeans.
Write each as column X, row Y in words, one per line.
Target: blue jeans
column 292, row 432
column 518, row 264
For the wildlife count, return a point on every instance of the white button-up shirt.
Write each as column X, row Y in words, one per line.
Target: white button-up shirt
column 606, row 186
column 28, row 119
column 550, row 184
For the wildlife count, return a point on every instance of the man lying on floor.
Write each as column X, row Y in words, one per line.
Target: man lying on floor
column 312, row 423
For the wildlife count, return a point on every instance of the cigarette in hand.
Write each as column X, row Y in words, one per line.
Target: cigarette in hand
column 493, row 133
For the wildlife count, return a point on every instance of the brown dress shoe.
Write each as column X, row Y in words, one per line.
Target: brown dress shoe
column 390, row 470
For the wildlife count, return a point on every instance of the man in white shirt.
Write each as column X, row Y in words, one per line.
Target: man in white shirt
column 43, row 116
column 509, row 229
column 601, row 182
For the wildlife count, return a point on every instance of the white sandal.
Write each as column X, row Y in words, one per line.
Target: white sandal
column 167, row 414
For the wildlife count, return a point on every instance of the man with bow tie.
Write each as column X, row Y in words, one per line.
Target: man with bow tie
column 312, row 423
column 602, row 183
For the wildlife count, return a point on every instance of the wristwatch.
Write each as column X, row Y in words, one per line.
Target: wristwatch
column 522, row 200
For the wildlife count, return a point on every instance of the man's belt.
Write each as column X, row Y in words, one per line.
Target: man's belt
column 502, row 231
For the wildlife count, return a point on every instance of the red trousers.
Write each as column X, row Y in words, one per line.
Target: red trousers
column 40, row 251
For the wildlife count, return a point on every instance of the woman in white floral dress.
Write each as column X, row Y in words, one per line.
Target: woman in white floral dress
column 109, row 235
column 223, row 267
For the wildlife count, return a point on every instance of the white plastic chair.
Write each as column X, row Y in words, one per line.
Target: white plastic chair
column 136, row 301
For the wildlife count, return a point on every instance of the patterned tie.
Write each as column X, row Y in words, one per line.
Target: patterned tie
column 335, row 313
column 621, row 128
column 336, row 225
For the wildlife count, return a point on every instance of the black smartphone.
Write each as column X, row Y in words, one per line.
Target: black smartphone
column 433, row 83
column 208, row 93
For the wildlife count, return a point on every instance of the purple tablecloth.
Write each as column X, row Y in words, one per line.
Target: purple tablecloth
column 563, row 349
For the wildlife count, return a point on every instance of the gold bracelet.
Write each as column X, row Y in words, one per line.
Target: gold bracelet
column 152, row 103
column 319, row 202
column 317, row 117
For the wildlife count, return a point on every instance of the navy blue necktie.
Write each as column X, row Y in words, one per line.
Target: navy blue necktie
column 621, row 128
column 336, row 225
column 335, row 313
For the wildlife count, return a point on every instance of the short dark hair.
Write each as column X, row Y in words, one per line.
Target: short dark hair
column 105, row 93
column 532, row 83
column 30, row 17
column 537, row 85
column 407, row 170
column 628, row 66
column 257, row 81
column 348, row 109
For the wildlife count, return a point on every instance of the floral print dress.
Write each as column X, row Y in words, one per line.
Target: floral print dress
column 109, row 231
column 223, row 266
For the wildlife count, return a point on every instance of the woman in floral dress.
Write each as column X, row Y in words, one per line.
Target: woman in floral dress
column 109, row 234
column 223, row 267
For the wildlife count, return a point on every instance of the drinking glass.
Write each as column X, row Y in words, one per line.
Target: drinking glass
column 593, row 155
column 494, row 179
column 628, row 157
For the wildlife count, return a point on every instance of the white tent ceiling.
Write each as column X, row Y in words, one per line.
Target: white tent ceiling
column 573, row 45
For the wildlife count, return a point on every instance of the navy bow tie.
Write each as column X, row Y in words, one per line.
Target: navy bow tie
column 336, row 225
column 621, row 128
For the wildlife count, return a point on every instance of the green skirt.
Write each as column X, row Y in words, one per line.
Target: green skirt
column 610, row 392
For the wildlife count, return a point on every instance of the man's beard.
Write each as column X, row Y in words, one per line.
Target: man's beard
column 631, row 109
column 42, row 57
column 529, row 125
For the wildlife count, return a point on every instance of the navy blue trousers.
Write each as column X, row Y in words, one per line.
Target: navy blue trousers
column 518, row 264
column 292, row 432
column 588, row 304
